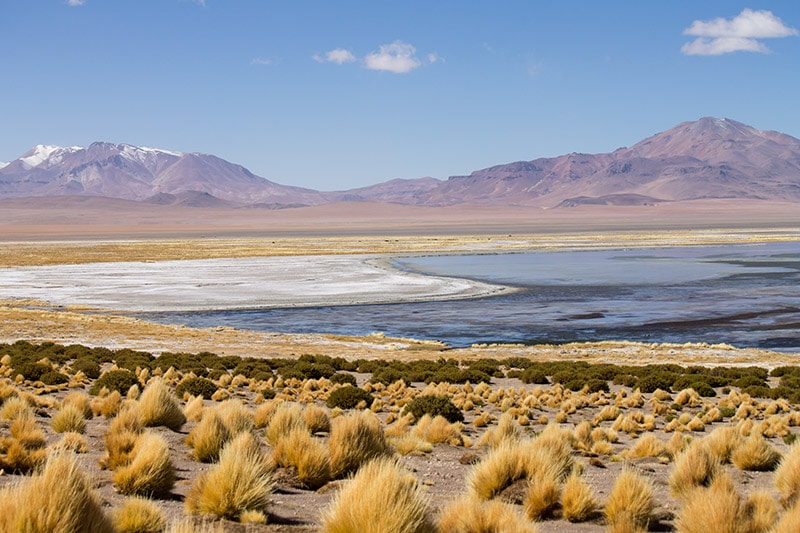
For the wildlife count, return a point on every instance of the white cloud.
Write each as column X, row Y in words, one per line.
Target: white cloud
column 741, row 33
column 339, row 56
column 397, row 57
column 75, row 3
column 262, row 61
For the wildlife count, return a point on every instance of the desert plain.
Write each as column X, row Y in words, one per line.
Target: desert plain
column 92, row 232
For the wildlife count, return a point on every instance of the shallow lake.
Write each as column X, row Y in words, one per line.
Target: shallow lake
column 744, row 295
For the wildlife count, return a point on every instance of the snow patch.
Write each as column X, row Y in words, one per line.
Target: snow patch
column 3, row 165
column 43, row 153
column 143, row 154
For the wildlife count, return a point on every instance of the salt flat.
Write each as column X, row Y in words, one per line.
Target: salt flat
column 230, row 283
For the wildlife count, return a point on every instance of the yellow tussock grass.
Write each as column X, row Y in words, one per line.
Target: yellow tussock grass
column 696, row 467
column 790, row 520
column 150, row 472
column 400, row 427
column 80, row 400
column 355, row 438
column 158, row 406
column 194, row 409
column 578, row 501
column 60, row 498
column 120, row 438
column 382, row 496
column 240, row 482
column 188, row 525
column 25, row 430
column 110, row 405
column 787, row 476
column 69, row 418
column 507, row 430
column 722, row 441
column 408, row 444
column 437, row 430
column 307, row 455
column 470, row 515
column 756, row 454
column 716, row 508
column 287, row 417
column 264, row 413
column 648, row 446
column 15, row 407
column 631, row 501
column 761, row 512
column 72, row 442
column 139, row 515
column 208, row 437
column 543, row 493
column 317, row 419
column 499, row 469
column 236, row 417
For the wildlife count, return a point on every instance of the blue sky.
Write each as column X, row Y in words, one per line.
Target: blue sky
column 336, row 95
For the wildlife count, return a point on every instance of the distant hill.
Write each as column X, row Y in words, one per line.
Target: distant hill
column 709, row 158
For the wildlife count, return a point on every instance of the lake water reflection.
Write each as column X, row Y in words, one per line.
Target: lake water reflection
column 744, row 295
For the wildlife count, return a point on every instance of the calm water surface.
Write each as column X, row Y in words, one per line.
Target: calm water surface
column 744, row 295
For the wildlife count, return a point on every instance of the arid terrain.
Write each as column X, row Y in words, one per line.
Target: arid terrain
column 744, row 401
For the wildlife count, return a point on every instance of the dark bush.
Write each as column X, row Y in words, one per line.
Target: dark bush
column 343, row 378
column 88, row 366
column 434, row 406
column 517, row 362
column 196, row 386
column 262, row 376
column 749, row 381
column 131, row 359
column 32, row 371
column 534, row 375
column 790, row 382
column 651, row 382
column 780, row 371
column 387, row 375
column 115, row 380
column 54, row 378
column 348, row 397
column 757, row 391
column 703, row 389
column 597, row 385
column 626, row 380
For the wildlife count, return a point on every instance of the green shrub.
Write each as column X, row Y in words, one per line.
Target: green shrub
column 343, row 378
column 703, row 389
column 348, row 397
column 89, row 367
column 434, row 406
column 534, row 375
column 115, row 380
column 749, row 381
column 54, row 378
column 651, row 382
column 597, row 385
column 196, row 386
column 32, row 371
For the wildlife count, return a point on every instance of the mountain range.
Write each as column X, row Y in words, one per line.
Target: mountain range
column 709, row 158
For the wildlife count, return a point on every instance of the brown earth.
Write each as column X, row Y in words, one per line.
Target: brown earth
column 38, row 233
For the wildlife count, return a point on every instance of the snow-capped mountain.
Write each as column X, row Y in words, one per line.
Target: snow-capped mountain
column 707, row 158
column 139, row 173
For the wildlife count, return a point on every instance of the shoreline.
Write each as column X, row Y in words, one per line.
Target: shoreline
column 220, row 284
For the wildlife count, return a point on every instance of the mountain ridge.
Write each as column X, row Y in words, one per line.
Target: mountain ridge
column 708, row 158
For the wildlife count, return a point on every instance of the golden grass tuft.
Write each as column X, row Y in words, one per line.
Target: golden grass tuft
column 58, row 499
column 756, row 454
column 408, row 444
column 72, row 442
column 188, row 525
column 158, row 406
column 761, row 512
column 286, row 418
column 71, row 418
column 236, row 417
column 194, row 409
column 240, row 482
column 696, row 467
column 787, row 476
column 499, row 469
column 208, row 437
column 120, row 438
column 382, row 496
column 108, row 406
column 80, row 400
column 317, row 419
column 150, row 472
column 27, row 432
column 723, row 441
column 578, row 502
column 716, row 508
column 790, row 521
column 470, row 515
column 15, row 407
column 307, row 455
column 648, row 445
column 355, row 439
column 543, row 493
column 139, row 515
column 437, row 430
column 631, row 501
